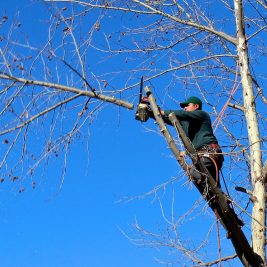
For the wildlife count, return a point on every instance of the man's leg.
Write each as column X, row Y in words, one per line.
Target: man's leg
column 213, row 169
column 210, row 166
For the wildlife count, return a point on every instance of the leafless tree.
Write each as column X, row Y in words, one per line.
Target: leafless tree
column 94, row 53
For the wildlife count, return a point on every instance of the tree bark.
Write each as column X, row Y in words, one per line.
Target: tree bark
column 164, row 130
column 214, row 196
column 258, row 212
column 74, row 90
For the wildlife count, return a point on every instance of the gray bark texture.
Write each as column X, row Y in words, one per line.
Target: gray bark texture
column 257, row 179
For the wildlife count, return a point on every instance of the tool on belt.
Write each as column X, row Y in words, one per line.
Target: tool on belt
column 142, row 111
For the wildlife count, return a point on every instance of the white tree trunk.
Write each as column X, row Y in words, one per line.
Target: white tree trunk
column 258, row 225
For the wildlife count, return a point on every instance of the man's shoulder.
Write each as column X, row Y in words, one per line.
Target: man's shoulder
column 196, row 114
column 202, row 114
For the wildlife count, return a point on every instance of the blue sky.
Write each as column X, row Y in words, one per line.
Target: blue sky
column 81, row 225
column 81, row 222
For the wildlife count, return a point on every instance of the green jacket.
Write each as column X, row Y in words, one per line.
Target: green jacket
column 197, row 126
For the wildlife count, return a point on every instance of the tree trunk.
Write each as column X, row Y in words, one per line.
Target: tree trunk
column 258, row 212
column 208, row 188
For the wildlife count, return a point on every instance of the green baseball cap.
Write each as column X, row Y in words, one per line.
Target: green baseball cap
column 191, row 99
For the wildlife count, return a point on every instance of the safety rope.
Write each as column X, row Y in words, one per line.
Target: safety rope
column 225, row 183
column 234, row 89
column 219, row 237
column 217, row 176
column 216, row 168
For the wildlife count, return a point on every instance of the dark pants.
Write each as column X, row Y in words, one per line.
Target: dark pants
column 212, row 159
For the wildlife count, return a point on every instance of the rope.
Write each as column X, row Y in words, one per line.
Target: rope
column 219, row 237
column 225, row 183
column 230, row 203
column 217, row 171
column 221, row 113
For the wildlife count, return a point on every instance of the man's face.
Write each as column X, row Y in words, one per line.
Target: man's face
column 191, row 107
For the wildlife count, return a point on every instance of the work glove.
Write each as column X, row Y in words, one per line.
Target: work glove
column 145, row 100
column 142, row 113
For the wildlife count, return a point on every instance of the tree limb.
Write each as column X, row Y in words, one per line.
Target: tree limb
column 214, row 196
column 74, row 90
column 154, row 11
column 39, row 115
column 236, row 106
column 189, row 23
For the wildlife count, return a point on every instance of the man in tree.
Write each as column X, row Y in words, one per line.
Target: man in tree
column 196, row 124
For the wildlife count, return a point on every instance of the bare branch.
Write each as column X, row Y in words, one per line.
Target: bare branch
column 22, row 125
column 217, row 261
column 77, row 91
column 189, row 23
column 236, row 106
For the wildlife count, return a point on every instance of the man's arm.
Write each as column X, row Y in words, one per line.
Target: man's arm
column 164, row 116
column 186, row 115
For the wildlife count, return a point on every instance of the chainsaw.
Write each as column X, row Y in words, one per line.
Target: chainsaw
column 142, row 111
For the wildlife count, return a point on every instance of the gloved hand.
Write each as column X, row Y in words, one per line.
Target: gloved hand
column 142, row 113
column 182, row 153
column 145, row 100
